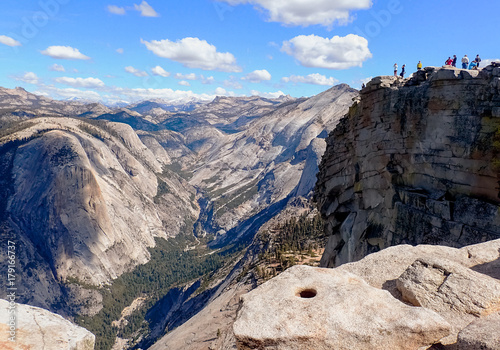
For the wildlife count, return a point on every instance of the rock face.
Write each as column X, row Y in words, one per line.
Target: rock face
column 314, row 308
column 83, row 204
column 361, row 302
column 414, row 162
column 39, row 329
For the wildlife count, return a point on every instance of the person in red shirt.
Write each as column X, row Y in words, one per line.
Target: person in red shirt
column 449, row 61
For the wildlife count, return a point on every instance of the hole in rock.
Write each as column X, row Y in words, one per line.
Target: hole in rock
column 307, row 293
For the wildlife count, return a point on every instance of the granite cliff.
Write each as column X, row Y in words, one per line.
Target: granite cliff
column 415, row 161
column 83, row 202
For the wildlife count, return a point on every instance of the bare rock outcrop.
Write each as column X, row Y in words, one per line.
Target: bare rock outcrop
column 458, row 293
column 28, row 327
column 414, row 162
column 314, row 308
column 460, row 285
column 482, row 334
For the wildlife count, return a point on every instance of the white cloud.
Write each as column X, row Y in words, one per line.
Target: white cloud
column 120, row 51
column 220, row 91
column 136, row 72
column 160, row 71
column 184, row 83
column 116, row 10
column 146, row 10
column 315, row 79
column 207, row 80
column 190, row 76
column 257, row 76
column 7, row 40
column 267, row 94
column 28, row 77
column 57, row 68
column 80, row 82
column 64, row 52
column 335, row 53
column 193, row 53
column 307, row 12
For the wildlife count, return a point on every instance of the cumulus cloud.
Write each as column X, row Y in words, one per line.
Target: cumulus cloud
column 307, row 12
column 184, row 83
column 220, row 91
column 257, row 76
column 136, row 72
column 193, row 53
column 57, row 68
column 64, row 52
column 146, row 10
column 120, row 51
column 116, row 10
column 276, row 94
column 315, row 79
column 7, row 40
column 28, row 77
column 160, row 71
column 190, row 76
column 80, row 82
column 335, row 53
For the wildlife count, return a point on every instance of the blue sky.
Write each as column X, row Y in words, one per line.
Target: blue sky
column 182, row 50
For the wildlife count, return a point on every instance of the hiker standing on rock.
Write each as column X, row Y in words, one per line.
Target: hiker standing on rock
column 477, row 60
column 448, row 62
column 454, row 62
column 465, row 62
column 395, row 69
column 403, row 71
column 419, row 65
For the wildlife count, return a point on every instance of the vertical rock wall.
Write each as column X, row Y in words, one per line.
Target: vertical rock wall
column 414, row 162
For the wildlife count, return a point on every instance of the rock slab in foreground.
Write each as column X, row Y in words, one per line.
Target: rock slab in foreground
column 39, row 329
column 314, row 308
column 456, row 292
column 483, row 334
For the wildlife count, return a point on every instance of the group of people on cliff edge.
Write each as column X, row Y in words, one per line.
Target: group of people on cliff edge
column 449, row 62
column 474, row 64
column 465, row 62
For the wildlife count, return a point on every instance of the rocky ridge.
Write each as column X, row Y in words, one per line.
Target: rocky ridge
column 415, row 161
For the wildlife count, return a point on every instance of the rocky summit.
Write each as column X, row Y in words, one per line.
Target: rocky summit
column 415, row 161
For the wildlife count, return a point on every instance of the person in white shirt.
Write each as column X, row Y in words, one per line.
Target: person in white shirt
column 465, row 62
column 395, row 69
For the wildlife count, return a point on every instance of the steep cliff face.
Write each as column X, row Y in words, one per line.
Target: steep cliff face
column 414, row 161
column 84, row 203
